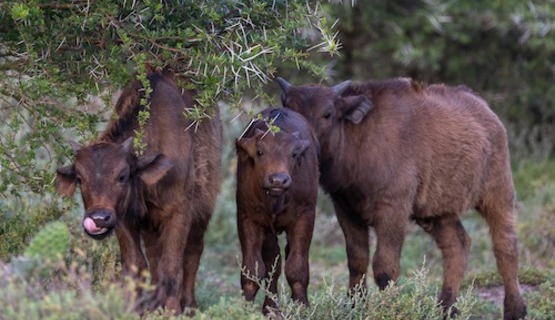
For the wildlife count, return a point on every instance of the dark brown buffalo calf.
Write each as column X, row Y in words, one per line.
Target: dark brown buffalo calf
column 164, row 197
column 277, row 185
column 395, row 150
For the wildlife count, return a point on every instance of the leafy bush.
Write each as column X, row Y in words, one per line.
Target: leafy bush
column 61, row 62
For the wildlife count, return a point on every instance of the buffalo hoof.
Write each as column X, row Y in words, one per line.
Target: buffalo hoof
column 157, row 299
column 514, row 308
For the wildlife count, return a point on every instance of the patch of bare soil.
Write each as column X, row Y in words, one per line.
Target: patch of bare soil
column 495, row 294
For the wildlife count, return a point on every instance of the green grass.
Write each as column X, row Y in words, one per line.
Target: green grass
column 85, row 282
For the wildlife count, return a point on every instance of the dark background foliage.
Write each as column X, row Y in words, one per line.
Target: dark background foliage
column 504, row 50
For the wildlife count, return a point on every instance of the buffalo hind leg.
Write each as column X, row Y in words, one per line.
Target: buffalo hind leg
column 454, row 243
column 357, row 244
column 193, row 252
column 272, row 263
column 503, row 235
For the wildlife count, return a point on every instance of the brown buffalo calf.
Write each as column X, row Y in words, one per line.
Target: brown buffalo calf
column 164, row 197
column 395, row 150
column 277, row 185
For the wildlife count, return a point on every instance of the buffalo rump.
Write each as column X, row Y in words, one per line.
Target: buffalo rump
column 165, row 196
column 277, row 186
column 397, row 150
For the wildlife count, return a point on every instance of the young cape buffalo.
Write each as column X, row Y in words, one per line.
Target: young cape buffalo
column 396, row 150
column 164, row 197
column 277, row 185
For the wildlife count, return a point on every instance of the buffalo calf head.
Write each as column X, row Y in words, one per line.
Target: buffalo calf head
column 273, row 158
column 324, row 107
column 110, row 177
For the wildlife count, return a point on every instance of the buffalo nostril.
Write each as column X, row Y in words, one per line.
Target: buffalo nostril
column 101, row 218
column 279, row 180
column 284, row 181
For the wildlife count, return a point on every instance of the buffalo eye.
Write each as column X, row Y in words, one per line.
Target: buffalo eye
column 327, row 115
column 259, row 153
column 294, row 155
column 122, row 178
column 78, row 180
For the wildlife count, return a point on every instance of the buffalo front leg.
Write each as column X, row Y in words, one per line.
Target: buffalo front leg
column 272, row 263
column 454, row 243
column 390, row 226
column 193, row 252
column 153, row 249
column 173, row 239
column 297, row 250
column 357, row 244
column 132, row 258
column 253, row 269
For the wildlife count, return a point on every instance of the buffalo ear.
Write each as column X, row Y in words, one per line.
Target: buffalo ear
column 152, row 168
column 356, row 107
column 65, row 181
column 246, row 147
column 301, row 146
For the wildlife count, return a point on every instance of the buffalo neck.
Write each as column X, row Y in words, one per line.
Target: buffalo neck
column 334, row 159
column 350, row 145
column 133, row 209
column 276, row 205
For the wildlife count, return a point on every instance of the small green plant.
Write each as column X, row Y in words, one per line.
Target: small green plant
column 415, row 298
column 51, row 242
column 63, row 290
column 47, row 248
column 541, row 304
column 21, row 220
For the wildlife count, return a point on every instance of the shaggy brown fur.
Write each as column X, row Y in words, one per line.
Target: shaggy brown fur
column 277, row 185
column 396, row 150
column 165, row 197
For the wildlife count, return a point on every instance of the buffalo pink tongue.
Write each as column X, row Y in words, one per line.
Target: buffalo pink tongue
column 91, row 227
